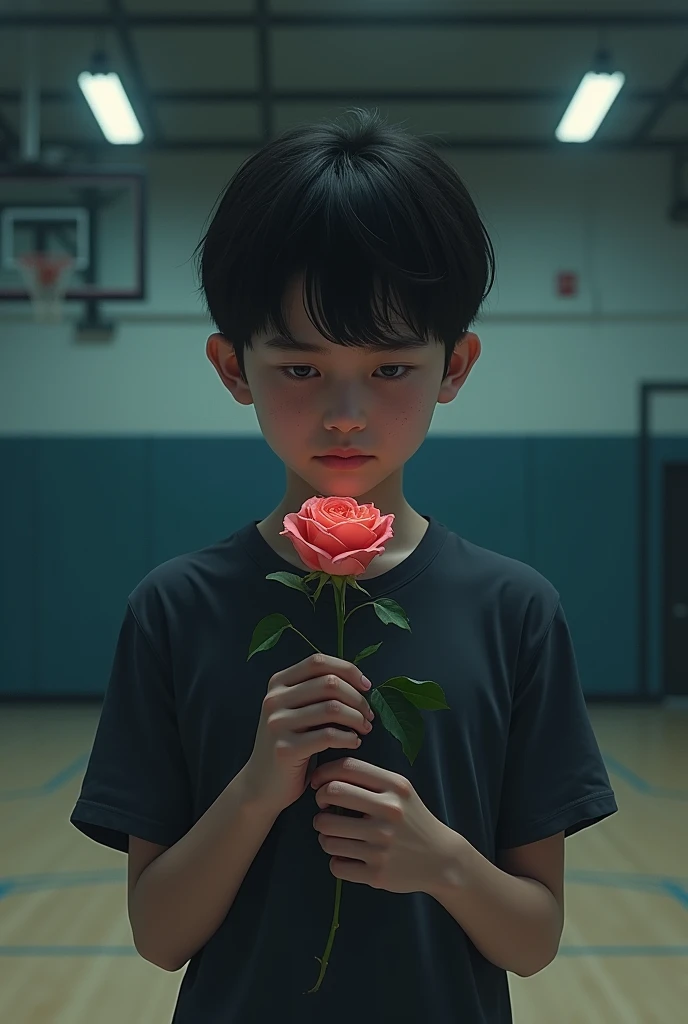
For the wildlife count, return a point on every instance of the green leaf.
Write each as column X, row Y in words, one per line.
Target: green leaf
column 391, row 613
column 353, row 582
column 400, row 718
column 290, row 579
column 366, row 652
column 267, row 633
column 421, row 693
column 324, row 578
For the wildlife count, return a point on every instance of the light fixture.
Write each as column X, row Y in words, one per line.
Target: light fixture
column 591, row 102
column 110, row 104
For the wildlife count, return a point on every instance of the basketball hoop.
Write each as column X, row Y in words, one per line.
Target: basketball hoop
column 46, row 276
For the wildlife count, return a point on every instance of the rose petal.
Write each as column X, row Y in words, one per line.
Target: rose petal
column 353, row 535
column 384, row 531
column 309, row 555
column 324, row 538
column 329, row 511
column 368, row 511
column 349, row 566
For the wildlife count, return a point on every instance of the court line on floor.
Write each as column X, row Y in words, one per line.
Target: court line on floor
column 60, row 880
column 675, row 887
column 623, row 951
column 677, row 892
column 68, row 951
column 51, row 785
column 641, row 785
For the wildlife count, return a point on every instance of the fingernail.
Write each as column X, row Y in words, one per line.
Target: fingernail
column 366, row 682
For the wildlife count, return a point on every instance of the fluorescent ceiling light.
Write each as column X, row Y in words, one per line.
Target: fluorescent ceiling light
column 588, row 108
column 111, row 108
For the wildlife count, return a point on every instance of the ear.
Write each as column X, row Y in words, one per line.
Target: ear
column 466, row 352
column 221, row 354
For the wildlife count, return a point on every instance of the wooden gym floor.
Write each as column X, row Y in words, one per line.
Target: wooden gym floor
column 66, row 955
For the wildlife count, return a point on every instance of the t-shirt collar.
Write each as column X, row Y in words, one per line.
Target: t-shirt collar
column 422, row 555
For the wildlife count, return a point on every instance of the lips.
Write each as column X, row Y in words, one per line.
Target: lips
column 344, row 453
column 338, row 462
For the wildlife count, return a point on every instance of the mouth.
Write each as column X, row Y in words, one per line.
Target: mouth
column 341, row 462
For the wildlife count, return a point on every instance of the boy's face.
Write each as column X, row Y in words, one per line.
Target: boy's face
column 310, row 402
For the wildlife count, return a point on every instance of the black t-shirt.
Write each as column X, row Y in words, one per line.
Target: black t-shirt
column 513, row 761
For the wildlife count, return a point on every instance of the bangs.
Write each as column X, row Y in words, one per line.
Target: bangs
column 381, row 230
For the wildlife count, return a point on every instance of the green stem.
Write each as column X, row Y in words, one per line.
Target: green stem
column 307, row 640
column 340, row 606
column 330, row 941
column 357, row 609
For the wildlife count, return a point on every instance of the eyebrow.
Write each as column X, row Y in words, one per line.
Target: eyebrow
column 299, row 345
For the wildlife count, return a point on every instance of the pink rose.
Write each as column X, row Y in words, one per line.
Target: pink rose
column 337, row 535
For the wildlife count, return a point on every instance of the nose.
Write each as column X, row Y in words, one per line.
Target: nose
column 345, row 413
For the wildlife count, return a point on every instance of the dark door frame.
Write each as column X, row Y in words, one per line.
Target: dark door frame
column 647, row 393
column 669, row 468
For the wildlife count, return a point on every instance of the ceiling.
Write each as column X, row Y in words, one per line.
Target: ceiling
column 231, row 74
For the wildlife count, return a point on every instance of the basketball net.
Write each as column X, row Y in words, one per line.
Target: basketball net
column 46, row 276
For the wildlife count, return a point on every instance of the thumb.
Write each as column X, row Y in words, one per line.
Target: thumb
column 310, row 771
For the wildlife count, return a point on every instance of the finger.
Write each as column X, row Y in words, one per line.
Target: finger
column 347, row 848
column 342, row 794
column 329, row 687
column 351, row 871
column 318, row 665
column 344, row 827
column 327, row 713
column 358, row 773
column 319, row 740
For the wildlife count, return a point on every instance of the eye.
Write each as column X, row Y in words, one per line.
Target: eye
column 407, row 370
column 286, row 371
column 292, row 372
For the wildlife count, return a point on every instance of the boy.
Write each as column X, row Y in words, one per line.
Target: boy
column 343, row 268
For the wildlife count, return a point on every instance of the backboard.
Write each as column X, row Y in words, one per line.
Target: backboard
column 95, row 215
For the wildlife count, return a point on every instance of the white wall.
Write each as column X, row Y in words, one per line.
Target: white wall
column 549, row 365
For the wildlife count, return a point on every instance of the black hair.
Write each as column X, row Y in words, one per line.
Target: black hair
column 375, row 220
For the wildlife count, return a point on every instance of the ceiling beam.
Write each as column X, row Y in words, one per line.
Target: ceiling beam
column 674, row 91
column 265, row 91
column 121, row 23
column 9, row 140
column 250, row 145
column 464, row 19
column 7, row 130
column 352, row 95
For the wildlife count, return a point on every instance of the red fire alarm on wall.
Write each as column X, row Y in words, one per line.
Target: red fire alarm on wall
column 567, row 284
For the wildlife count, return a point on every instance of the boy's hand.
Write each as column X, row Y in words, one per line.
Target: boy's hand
column 302, row 710
column 398, row 844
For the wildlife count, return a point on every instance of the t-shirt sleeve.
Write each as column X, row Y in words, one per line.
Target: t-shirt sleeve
column 554, row 778
column 136, row 781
